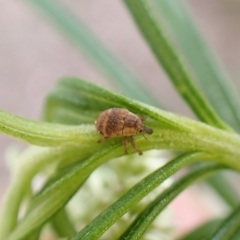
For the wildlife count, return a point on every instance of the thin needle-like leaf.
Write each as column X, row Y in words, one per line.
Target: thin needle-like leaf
column 147, row 216
column 62, row 224
column 93, row 48
column 203, row 231
column 228, row 228
column 170, row 60
column 209, row 74
column 108, row 217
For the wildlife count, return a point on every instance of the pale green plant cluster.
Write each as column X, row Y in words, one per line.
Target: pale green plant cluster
column 92, row 190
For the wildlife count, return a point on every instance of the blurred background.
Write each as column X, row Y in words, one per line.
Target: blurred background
column 33, row 54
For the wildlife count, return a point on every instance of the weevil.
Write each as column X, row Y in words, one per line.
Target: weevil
column 119, row 122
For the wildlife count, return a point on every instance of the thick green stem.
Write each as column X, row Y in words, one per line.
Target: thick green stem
column 42, row 133
column 170, row 131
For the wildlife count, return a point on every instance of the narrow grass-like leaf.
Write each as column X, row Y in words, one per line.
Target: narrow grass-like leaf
column 147, row 216
column 210, row 74
column 108, row 217
column 62, row 224
column 169, row 58
column 236, row 235
column 52, row 198
column 95, row 50
column 228, row 228
column 224, row 188
column 66, row 105
column 35, row 235
column 203, row 231
column 104, row 96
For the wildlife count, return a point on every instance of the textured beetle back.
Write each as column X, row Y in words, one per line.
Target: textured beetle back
column 132, row 124
column 111, row 122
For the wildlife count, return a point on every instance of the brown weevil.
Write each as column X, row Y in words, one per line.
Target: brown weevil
column 119, row 122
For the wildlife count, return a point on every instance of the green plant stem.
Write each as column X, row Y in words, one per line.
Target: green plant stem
column 31, row 162
column 43, row 133
column 170, row 131
column 108, row 217
column 168, row 57
column 62, row 224
column 148, row 215
column 228, row 228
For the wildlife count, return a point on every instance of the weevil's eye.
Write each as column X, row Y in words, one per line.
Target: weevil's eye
column 140, row 130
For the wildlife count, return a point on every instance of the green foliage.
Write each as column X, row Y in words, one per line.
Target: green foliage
column 229, row 227
column 145, row 218
column 66, row 151
column 209, row 74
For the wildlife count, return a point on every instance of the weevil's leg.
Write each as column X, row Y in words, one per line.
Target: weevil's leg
column 125, row 145
column 132, row 141
column 144, row 136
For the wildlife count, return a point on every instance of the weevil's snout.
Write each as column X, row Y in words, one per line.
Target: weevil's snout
column 147, row 129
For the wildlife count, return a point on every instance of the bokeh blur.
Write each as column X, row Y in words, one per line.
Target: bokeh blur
column 33, row 54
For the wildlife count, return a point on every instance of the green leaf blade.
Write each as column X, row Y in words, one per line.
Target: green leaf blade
column 229, row 227
column 168, row 57
column 85, row 40
column 148, row 215
column 210, row 74
column 203, row 231
column 101, row 223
